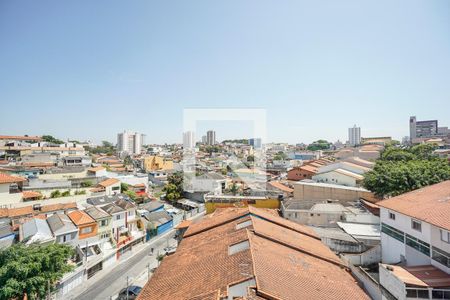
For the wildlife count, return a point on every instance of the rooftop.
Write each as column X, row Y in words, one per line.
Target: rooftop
column 272, row 257
column 430, row 204
column 60, row 223
column 96, row 213
column 109, row 182
column 420, row 276
column 6, row 178
column 79, row 218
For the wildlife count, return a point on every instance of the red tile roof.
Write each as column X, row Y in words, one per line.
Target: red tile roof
column 79, row 217
column 6, row 178
column 287, row 260
column 109, row 182
column 30, row 194
column 20, row 137
column 430, row 204
column 280, row 186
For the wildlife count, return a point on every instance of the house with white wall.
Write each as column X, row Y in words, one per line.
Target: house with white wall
column 10, row 189
column 415, row 239
column 339, row 176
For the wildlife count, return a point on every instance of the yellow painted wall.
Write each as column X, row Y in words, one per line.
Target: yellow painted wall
column 266, row 203
column 154, row 163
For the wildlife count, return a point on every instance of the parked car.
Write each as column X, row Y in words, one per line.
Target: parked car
column 170, row 250
column 133, row 292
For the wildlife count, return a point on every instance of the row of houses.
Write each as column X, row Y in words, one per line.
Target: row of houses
column 101, row 232
column 348, row 172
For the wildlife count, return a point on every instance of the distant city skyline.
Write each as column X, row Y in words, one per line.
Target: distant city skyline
column 316, row 67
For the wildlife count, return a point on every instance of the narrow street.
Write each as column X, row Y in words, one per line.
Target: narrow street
column 106, row 284
column 115, row 279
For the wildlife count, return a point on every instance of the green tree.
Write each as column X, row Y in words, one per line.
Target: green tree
column 65, row 193
column 50, row 139
column 32, row 270
column 424, row 151
column 319, row 145
column 55, row 194
column 392, row 178
column 87, row 183
column 397, row 154
column 128, row 161
column 131, row 194
column 124, row 187
column 250, row 158
column 234, row 189
column 172, row 192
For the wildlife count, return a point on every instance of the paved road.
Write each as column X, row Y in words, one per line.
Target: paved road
column 116, row 279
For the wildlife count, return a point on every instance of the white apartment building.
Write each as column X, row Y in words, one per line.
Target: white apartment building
column 130, row 142
column 188, row 140
column 354, row 136
column 415, row 242
column 211, row 137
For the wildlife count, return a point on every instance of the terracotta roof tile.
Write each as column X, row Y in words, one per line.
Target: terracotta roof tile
column 6, row 178
column 30, row 194
column 109, row 182
column 280, row 186
column 430, row 204
column 284, row 273
column 96, row 169
column 58, row 206
column 20, row 211
column 279, row 256
column 79, row 217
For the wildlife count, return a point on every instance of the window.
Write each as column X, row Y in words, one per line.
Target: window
column 445, row 236
column 118, row 217
column 103, row 223
column 116, row 188
column 86, row 230
column 416, row 225
column 67, row 237
column 391, row 216
column 130, row 213
column 441, row 256
column 392, row 232
column 417, row 244
column 235, row 248
column 243, row 224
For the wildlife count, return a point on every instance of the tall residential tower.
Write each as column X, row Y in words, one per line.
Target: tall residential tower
column 130, row 142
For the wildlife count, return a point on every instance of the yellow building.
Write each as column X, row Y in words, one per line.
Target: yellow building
column 154, row 163
column 222, row 201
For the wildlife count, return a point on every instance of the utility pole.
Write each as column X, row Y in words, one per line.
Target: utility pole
column 148, row 271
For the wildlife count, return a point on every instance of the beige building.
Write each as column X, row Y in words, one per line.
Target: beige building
column 313, row 191
column 154, row 163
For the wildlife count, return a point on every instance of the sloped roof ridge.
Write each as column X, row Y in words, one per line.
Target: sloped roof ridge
column 294, row 248
column 255, row 214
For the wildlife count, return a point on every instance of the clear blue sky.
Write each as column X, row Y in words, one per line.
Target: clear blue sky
column 89, row 69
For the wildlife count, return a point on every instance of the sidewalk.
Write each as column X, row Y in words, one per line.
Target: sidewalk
column 99, row 276
column 133, row 265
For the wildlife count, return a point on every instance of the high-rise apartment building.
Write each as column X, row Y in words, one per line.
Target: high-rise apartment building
column 130, row 142
column 255, row 142
column 422, row 129
column 211, row 137
column 188, row 140
column 354, row 136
